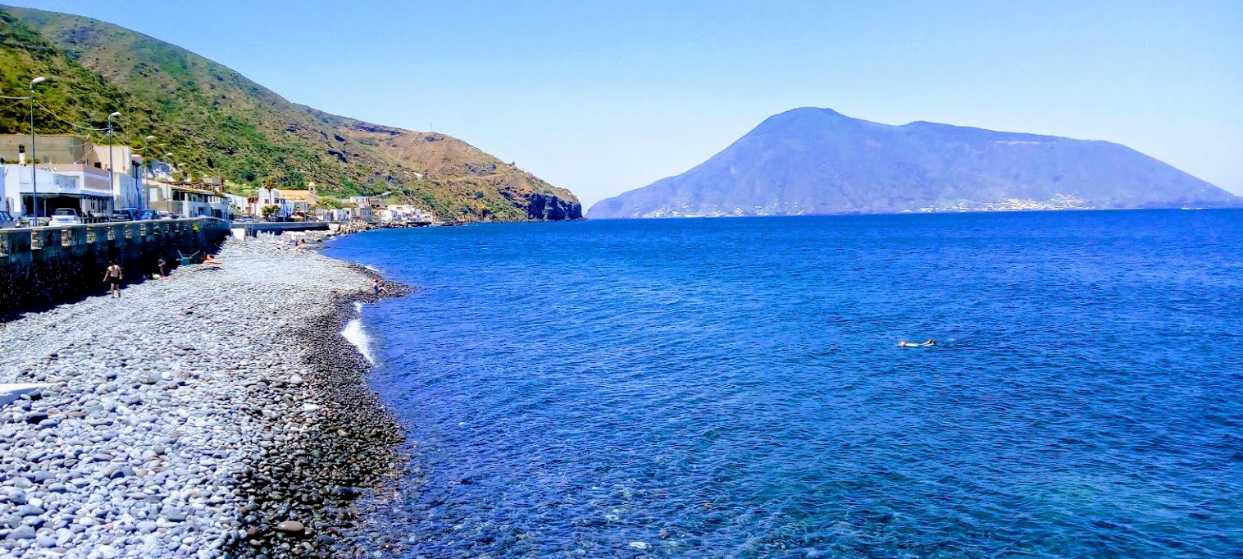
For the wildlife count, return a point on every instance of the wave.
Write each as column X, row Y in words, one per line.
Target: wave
column 357, row 336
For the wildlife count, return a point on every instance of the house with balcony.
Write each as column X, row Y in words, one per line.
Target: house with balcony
column 52, row 187
column 70, row 172
column 300, row 201
column 265, row 197
column 188, row 200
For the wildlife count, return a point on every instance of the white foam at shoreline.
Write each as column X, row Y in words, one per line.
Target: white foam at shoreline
column 357, row 336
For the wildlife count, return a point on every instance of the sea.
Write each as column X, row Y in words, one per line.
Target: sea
column 735, row 387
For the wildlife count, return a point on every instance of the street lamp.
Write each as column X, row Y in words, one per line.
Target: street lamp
column 168, row 158
column 34, row 170
column 140, row 178
column 112, row 184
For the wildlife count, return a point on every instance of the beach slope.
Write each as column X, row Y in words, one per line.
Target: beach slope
column 217, row 411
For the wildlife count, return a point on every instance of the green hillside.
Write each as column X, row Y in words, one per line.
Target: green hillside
column 216, row 122
column 78, row 95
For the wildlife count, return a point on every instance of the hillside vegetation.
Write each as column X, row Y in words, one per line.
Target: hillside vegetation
column 216, row 122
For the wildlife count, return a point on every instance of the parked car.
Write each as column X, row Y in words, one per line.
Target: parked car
column 7, row 221
column 148, row 215
column 124, row 214
column 28, row 221
column 65, row 216
column 166, row 215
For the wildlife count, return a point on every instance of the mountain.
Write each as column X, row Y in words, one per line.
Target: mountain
column 216, row 122
column 817, row 161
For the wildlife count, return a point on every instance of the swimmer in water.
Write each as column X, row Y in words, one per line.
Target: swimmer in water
column 927, row 343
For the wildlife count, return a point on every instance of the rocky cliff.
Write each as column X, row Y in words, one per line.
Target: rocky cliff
column 550, row 207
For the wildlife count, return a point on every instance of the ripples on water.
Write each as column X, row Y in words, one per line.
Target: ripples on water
column 733, row 387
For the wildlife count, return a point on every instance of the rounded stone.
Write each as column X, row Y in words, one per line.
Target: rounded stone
column 291, row 527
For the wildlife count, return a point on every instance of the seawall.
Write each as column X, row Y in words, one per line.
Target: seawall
column 47, row 266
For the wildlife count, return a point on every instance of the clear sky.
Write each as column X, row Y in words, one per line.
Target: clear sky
column 603, row 97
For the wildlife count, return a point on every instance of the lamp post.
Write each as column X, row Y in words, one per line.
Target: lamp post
column 34, row 156
column 168, row 158
column 141, row 178
column 112, row 184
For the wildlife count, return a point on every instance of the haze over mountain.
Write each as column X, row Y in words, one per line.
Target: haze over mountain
column 216, row 122
column 817, row 161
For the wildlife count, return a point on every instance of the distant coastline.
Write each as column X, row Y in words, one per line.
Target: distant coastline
column 927, row 212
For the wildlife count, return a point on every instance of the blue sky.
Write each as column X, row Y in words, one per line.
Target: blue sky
column 605, row 97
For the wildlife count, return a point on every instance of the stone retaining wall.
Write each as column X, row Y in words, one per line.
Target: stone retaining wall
column 52, row 265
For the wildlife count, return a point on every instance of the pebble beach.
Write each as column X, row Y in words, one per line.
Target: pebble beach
column 215, row 412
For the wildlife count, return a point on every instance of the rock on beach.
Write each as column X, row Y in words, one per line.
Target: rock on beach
column 175, row 421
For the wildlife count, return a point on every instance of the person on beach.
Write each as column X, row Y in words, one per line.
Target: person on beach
column 162, row 267
column 927, row 343
column 112, row 277
column 376, row 287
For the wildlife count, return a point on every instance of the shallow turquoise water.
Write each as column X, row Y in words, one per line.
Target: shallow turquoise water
column 733, row 387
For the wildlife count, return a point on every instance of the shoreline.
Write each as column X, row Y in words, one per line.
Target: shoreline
column 216, row 411
column 346, row 448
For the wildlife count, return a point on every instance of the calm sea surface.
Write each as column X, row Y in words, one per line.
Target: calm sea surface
column 733, row 387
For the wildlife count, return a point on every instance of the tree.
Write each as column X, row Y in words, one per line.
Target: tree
column 269, row 210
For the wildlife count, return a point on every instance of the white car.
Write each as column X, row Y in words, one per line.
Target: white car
column 63, row 217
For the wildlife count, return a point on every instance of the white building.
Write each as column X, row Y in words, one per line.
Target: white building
column 237, row 204
column 300, row 202
column 72, row 173
column 183, row 200
column 336, row 215
column 405, row 213
column 81, row 188
column 127, row 191
column 265, row 197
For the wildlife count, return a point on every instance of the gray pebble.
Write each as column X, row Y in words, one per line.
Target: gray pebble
column 22, row 533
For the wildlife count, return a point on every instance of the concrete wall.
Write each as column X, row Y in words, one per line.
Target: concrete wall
column 52, row 265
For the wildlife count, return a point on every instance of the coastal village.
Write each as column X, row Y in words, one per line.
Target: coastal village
column 95, row 183
column 193, row 432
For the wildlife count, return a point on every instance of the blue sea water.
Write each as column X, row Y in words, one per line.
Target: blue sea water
column 733, row 387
